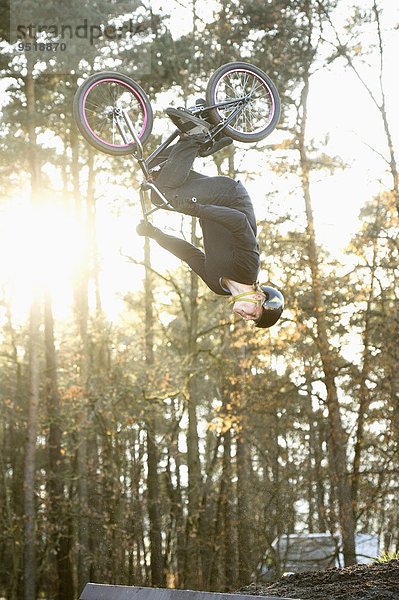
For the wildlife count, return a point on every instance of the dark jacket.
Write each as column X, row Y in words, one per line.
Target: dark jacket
column 226, row 217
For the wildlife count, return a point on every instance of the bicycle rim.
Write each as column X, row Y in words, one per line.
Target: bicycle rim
column 258, row 112
column 102, row 102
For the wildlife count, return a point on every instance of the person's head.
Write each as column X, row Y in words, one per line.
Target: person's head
column 249, row 307
column 263, row 305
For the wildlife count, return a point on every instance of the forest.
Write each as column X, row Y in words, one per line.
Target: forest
column 165, row 443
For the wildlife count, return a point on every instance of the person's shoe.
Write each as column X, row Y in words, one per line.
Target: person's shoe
column 207, row 150
column 186, row 122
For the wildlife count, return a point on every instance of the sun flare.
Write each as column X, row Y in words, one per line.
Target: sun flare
column 42, row 246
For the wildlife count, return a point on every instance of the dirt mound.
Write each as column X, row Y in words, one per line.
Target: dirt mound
column 377, row 581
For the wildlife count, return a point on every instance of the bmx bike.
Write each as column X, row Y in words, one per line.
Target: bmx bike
column 114, row 115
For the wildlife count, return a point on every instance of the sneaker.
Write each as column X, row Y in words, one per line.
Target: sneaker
column 186, row 122
column 207, row 150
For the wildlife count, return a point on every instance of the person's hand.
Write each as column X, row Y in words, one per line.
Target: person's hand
column 187, row 206
column 145, row 228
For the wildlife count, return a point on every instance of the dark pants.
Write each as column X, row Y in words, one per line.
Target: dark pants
column 177, row 181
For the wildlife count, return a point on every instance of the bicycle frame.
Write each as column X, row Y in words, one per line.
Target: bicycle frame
column 122, row 118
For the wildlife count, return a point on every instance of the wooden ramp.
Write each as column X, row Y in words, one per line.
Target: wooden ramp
column 99, row 591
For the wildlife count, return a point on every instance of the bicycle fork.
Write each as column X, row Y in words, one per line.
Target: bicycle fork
column 147, row 184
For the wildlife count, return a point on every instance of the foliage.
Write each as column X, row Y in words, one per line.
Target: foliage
column 239, row 421
column 387, row 556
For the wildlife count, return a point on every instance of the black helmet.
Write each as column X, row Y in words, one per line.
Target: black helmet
column 272, row 307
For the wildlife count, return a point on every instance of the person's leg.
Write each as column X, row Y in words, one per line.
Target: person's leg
column 189, row 123
column 178, row 165
column 220, row 191
column 242, row 201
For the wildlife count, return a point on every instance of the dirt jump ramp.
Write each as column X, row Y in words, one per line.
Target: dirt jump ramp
column 99, row 591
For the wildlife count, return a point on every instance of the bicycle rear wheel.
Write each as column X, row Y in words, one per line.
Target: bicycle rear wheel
column 240, row 81
column 98, row 106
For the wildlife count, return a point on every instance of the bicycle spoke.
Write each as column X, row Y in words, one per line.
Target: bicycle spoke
column 101, row 93
column 244, row 120
column 256, row 111
column 102, row 127
column 89, row 101
column 255, row 116
column 134, row 109
column 101, row 100
column 252, row 114
column 232, row 89
column 95, row 112
column 105, row 93
column 111, row 93
column 254, row 83
column 253, row 88
column 117, row 95
column 255, row 105
column 244, row 80
column 244, row 84
column 248, row 122
column 252, row 118
column 98, row 116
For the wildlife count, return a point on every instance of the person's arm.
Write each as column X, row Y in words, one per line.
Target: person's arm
column 182, row 249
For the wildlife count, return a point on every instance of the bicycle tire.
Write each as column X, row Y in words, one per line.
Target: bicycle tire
column 260, row 115
column 94, row 107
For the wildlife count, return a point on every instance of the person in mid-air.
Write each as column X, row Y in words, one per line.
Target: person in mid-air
column 230, row 262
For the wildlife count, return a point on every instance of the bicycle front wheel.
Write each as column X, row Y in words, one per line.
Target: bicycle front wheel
column 98, row 111
column 242, row 83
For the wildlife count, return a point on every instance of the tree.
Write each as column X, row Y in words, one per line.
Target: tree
column 157, row 575
column 58, row 507
column 35, row 319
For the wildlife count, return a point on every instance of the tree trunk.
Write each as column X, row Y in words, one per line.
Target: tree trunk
column 34, row 347
column 13, row 500
column 243, row 509
column 315, row 453
column 380, row 104
column 81, row 316
column 157, row 578
column 193, row 571
column 57, row 505
column 227, row 509
column 92, row 249
column 136, row 510
column 243, row 520
column 337, row 441
column 364, row 393
column 30, row 451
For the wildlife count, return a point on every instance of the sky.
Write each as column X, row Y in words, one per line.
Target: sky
column 338, row 108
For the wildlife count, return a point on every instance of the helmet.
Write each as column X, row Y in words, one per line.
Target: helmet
column 272, row 307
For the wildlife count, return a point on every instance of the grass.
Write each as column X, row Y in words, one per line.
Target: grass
column 387, row 556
